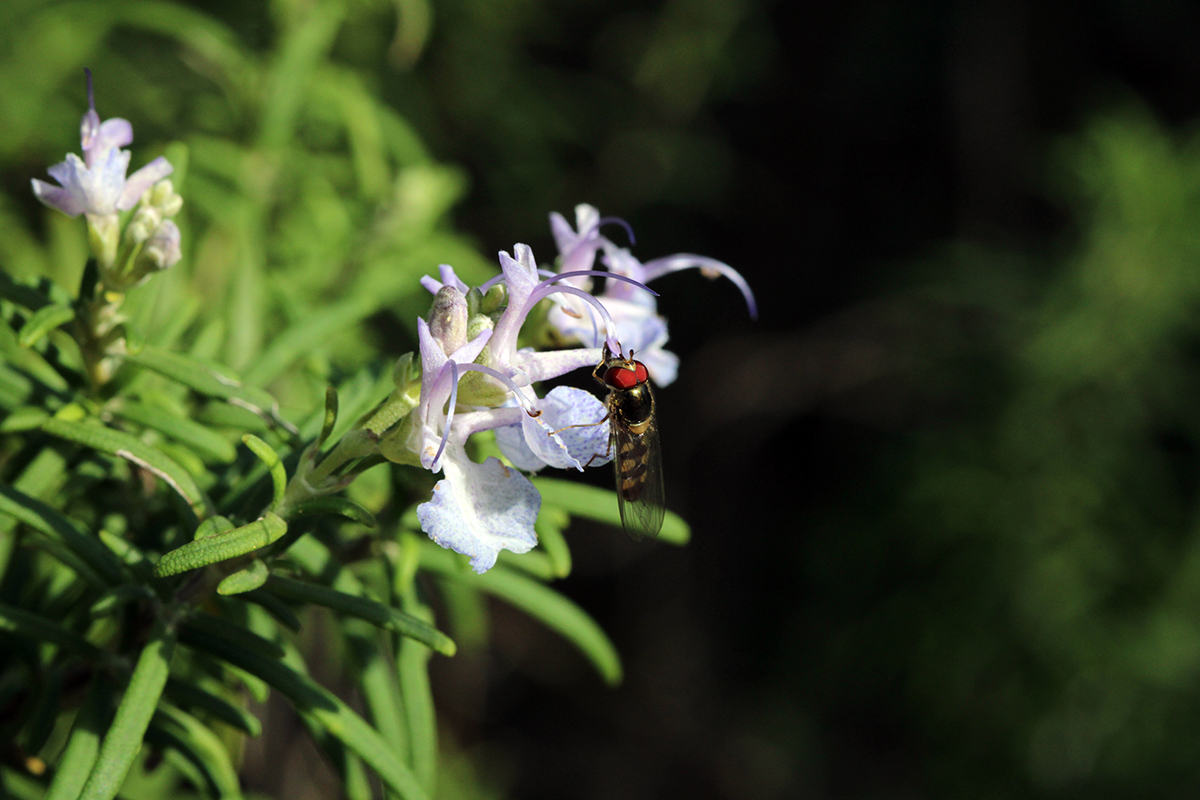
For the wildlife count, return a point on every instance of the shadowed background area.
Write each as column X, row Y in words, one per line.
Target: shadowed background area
column 943, row 491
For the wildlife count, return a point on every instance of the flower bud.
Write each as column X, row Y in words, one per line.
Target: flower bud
column 448, row 319
column 475, row 388
column 495, row 297
column 161, row 251
column 478, row 324
column 143, row 224
column 162, row 196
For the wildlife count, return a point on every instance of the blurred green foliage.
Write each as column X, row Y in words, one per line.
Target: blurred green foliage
column 308, row 200
column 1027, row 606
column 144, row 576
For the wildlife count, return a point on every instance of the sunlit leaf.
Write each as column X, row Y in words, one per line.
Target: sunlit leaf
column 123, row 445
column 222, row 546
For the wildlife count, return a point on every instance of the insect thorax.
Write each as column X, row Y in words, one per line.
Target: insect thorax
column 634, row 407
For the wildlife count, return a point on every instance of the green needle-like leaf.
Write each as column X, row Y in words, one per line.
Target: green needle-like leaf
column 23, row 419
column 121, row 444
column 220, row 629
column 79, row 757
column 45, row 708
column 117, row 598
column 413, row 668
column 331, row 413
column 222, row 546
column 124, row 738
column 537, row 600
column 378, row 683
column 199, row 745
column 208, row 381
column 590, row 502
column 189, row 695
column 130, row 555
column 201, row 377
column 42, row 321
column 549, row 528
column 275, row 607
column 268, row 456
column 334, row 505
column 314, row 330
column 22, row 294
column 364, row 608
column 321, row 705
column 206, row 442
column 64, row 556
column 54, row 524
column 245, row 580
column 29, row 625
column 16, row 388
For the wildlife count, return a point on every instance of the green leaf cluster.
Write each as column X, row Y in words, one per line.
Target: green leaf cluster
column 157, row 578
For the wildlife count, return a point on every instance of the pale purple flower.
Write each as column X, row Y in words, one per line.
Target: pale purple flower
column 96, row 185
column 639, row 327
column 526, row 288
column 480, row 509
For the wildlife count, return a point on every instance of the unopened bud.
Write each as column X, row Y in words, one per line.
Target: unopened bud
column 448, row 319
column 142, row 226
column 162, row 196
column 161, row 251
column 495, row 297
column 478, row 324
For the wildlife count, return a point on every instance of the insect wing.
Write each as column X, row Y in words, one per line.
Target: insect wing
column 640, row 494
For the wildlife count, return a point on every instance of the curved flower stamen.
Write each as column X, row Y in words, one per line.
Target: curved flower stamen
column 618, row 221
column 710, row 267
column 455, row 374
column 547, row 288
column 633, row 309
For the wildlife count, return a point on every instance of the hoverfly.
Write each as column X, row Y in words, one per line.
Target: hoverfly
column 633, row 442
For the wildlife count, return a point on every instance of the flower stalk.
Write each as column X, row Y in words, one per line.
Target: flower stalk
column 124, row 254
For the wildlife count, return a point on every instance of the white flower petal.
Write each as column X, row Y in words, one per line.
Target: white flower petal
column 577, row 415
column 57, row 197
column 480, row 509
column 142, row 181
column 552, row 438
column 511, row 441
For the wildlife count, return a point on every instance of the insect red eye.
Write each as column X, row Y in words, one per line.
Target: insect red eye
column 624, row 378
